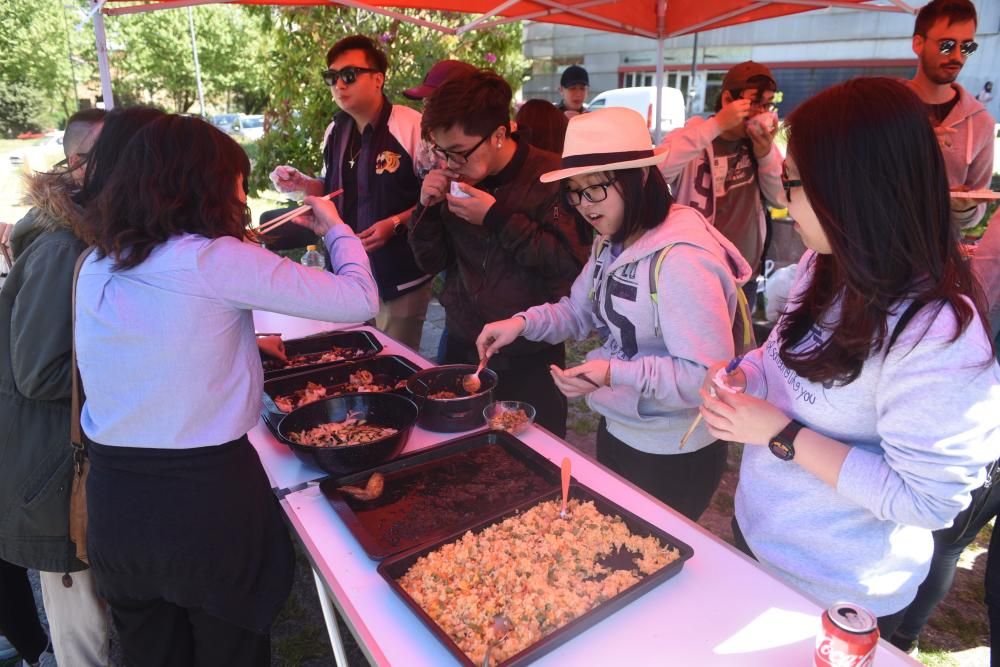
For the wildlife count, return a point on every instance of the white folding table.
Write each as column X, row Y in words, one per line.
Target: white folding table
column 723, row 608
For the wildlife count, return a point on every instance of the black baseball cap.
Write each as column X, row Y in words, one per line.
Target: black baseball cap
column 574, row 76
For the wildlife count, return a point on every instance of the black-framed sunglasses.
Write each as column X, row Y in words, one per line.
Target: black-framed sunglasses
column 459, row 159
column 946, row 46
column 592, row 193
column 348, row 74
column 788, row 183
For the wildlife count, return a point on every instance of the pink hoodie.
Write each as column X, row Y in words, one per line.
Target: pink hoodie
column 969, row 159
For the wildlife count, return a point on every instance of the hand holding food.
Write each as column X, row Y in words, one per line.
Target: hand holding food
column 762, row 129
column 739, row 417
column 290, row 179
column 473, row 206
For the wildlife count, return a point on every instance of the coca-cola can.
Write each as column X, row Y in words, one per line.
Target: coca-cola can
column 848, row 637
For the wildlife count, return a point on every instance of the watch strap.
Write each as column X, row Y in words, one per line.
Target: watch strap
column 782, row 445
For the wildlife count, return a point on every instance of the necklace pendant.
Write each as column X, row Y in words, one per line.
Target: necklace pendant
column 351, row 162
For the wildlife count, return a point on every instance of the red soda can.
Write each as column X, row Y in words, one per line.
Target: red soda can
column 848, row 637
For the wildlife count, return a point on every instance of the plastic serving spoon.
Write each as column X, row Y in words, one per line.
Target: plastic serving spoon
column 501, row 628
column 471, row 383
column 566, row 466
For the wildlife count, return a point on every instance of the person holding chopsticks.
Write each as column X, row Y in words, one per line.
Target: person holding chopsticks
column 185, row 538
column 662, row 286
column 877, row 393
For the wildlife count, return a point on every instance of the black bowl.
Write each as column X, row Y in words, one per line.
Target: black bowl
column 391, row 410
column 451, row 415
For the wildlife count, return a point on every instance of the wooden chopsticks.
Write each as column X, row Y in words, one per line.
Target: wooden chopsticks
column 271, row 225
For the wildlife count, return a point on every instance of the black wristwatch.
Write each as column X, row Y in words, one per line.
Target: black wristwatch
column 783, row 444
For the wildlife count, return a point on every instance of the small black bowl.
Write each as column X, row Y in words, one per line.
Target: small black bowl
column 391, row 410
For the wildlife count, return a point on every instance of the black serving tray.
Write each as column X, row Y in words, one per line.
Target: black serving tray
column 387, row 370
column 365, row 342
column 395, row 567
column 431, row 493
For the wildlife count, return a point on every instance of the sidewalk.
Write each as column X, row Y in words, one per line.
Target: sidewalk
column 433, row 328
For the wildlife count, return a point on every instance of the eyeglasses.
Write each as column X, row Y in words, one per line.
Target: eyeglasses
column 766, row 107
column 946, row 46
column 788, row 183
column 593, row 193
column 757, row 102
column 348, row 74
column 459, row 159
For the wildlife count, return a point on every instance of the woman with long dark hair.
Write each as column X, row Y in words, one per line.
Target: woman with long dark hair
column 35, row 370
column 185, row 539
column 662, row 286
column 876, row 393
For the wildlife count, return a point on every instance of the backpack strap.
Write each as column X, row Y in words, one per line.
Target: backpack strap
column 600, row 244
column 744, row 341
column 654, row 276
column 904, row 319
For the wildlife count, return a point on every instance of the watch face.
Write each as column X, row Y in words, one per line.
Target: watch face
column 781, row 450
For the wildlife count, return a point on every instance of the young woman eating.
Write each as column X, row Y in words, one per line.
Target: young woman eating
column 662, row 287
column 877, row 393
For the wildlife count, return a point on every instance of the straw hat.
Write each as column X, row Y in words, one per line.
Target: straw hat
column 604, row 140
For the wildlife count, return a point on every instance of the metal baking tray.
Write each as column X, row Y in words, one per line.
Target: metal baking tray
column 433, row 492
column 363, row 341
column 387, row 370
column 395, row 567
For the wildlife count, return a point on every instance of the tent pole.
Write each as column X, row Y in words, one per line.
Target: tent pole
column 101, row 40
column 694, row 74
column 197, row 67
column 661, row 12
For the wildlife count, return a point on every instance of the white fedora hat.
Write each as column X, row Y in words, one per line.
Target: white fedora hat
column 604, row 140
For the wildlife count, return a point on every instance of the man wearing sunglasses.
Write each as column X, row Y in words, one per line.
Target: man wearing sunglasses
column 943, row 39
column 370, row 152
column 727, row 167
column 503, row 237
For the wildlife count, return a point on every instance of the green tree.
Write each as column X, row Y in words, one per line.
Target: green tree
column 37, row 40
column 152, row 60
column 301, row 105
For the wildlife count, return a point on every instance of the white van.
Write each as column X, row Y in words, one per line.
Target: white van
column 643, row 100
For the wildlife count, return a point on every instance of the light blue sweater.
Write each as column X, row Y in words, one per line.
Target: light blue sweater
column 167, row 350
column 655, row 375
column 923, row 420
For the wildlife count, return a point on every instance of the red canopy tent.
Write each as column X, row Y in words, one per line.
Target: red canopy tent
column 655, row 19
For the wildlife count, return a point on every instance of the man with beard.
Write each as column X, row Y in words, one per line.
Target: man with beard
column 943, row 39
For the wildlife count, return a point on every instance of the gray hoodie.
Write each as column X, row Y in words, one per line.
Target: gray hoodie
column 655, row 375
column 969, row 159
column 922, row 421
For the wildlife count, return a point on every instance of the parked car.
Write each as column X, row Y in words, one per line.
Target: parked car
column 227, row 122
column 251, row 127
column 39, row 155
column 643, row 100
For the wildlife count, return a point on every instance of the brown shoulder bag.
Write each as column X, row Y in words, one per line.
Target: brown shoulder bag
column 81, row 463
